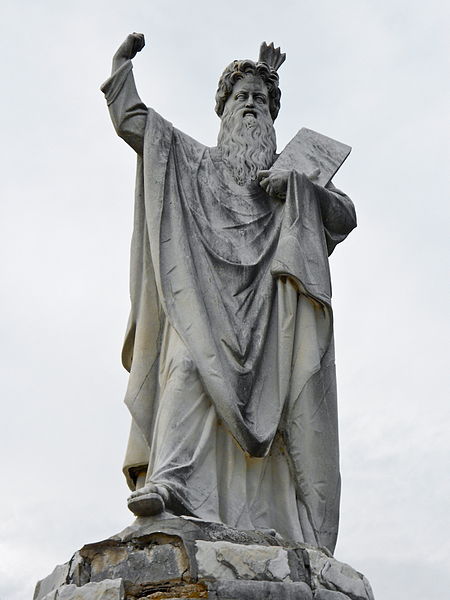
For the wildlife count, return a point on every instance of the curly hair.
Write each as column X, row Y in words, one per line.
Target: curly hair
column 237, row 70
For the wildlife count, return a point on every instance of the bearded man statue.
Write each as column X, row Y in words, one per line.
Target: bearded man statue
column 230, row 339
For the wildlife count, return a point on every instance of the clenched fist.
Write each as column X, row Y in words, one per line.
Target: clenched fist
column 133, row 44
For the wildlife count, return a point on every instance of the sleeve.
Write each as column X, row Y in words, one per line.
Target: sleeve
column 338, row 214
column 127, row 111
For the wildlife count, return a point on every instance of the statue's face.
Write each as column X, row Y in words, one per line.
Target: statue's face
column 249, row 100
column 247, row 136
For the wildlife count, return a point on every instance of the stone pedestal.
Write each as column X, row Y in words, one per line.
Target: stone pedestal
column 186, row 558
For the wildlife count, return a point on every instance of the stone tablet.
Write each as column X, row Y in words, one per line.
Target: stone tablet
column 309, row 151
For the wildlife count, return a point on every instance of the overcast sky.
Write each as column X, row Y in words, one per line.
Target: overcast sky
column 372, row 74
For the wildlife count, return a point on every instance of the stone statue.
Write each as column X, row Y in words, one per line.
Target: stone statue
column 229, row 345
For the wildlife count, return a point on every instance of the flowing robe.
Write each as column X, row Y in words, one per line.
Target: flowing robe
column 229, row 345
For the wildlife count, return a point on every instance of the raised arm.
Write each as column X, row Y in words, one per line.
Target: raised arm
column 127, row 111
column 127, row 50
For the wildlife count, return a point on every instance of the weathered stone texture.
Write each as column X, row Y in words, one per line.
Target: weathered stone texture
column 224, row 560
column 329, row 595
column 330, row 574
column 56, row 578
column 182, row 558
column 152, row 564
column 259, row 590
column 105, row 590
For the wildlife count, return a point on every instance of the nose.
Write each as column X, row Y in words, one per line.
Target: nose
column 250, row 103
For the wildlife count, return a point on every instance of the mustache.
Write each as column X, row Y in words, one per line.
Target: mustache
column 248, row 143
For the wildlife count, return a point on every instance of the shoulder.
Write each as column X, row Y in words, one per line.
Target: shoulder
column 192, row 149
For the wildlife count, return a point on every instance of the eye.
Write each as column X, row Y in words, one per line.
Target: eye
column 261, row 99
column 240, row 96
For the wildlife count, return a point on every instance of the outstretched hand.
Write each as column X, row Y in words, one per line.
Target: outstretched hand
column 128, row 49
column 274, row 182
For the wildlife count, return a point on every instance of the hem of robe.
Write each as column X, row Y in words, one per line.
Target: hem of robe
column 301, row 527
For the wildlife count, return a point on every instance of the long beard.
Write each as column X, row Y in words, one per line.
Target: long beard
column 247, row 144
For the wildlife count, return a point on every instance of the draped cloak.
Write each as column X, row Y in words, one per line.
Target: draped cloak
column 243, row 281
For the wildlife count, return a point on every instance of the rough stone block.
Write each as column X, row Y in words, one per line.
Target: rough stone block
column 56, row 578
column 329, row 595
column 259, row 590
column 182, row 558
column 225, row 560
column 79, row 571
column 70, row 572
column 330, row 574
column 152, row 564
column 105, row 590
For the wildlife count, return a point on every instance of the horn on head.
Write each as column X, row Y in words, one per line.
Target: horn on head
column 272, row 56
